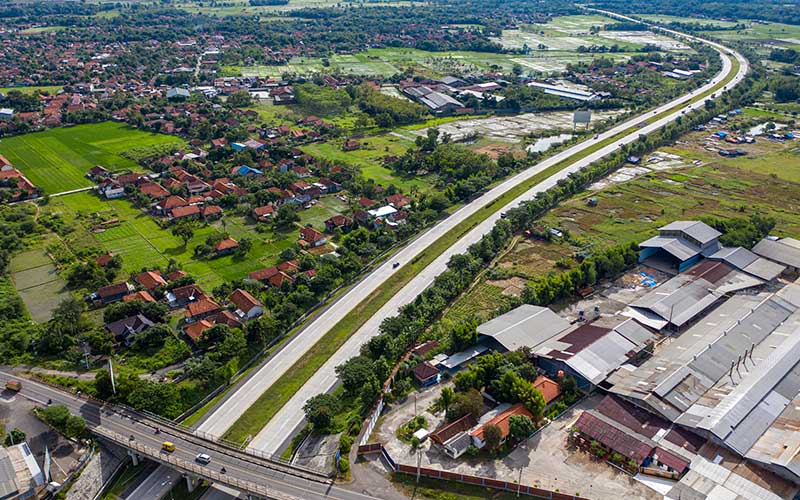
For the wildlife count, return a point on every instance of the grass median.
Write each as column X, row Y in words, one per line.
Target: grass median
column 272, row 400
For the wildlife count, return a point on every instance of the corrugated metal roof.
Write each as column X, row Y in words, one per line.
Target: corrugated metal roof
column 700, row 231
column 525, row 326
column 677, row 247
column 8, row 478
column 782, row 251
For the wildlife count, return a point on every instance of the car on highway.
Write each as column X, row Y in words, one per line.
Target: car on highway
column 168, row 446
column 203, row 458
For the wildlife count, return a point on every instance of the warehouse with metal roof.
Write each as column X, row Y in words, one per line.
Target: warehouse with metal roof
column 591, row 351
column 525, row 326
column 785, row 251
column 679, row 245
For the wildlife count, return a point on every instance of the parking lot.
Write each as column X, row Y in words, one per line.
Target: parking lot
column 545, row 459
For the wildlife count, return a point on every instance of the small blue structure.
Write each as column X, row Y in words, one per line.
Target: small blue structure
column 238, row 146
column 721, row 134
column 245, row 170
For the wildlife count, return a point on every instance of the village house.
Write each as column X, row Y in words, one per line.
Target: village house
column 340, row 222
column 310, row 237
column 247, row 306
column 151, row 279
column 124, row 330
column 113, row 293
column 226, row 247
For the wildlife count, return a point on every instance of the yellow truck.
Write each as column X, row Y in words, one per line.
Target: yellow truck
column 14, row 385
column 168, row 446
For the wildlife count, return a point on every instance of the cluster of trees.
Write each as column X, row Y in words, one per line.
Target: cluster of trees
column 461, row 173
column 322, row 100
column 59, row 417
column 604, row 264
column 788, row 56
column 91, row 276
column 507, row 377
column 741, row 231
column 386, row 110
column 785, row 88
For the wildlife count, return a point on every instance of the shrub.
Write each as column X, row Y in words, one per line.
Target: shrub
column 344, row 465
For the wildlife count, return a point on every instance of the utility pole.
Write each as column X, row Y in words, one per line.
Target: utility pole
column 419, row 464
column 519, row 483
column 111, row 374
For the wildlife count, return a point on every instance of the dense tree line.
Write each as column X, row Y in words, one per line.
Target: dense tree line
column 767, row 10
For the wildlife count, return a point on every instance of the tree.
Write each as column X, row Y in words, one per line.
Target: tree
column 75, row 427
column 467, row 403
column 239, row 99
column 245, row 244
column 232, row 345
column 464, row 335
column 356, row 373
column 492, row 436
column 184, row 232
column 320, row 410
column 285, row 216
column 520, row 427
column 446, row 398
column 152, row 337
column 15, row 436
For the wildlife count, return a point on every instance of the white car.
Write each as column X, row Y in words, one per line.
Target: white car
column 203, row 458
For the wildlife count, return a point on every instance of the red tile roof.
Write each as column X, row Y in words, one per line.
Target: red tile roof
column 550, row 389
column 153, row 190
column 226, row 244
column 204, row 305
column 151, row 279
column 115, row 289
column 244, row 301
column 186, row 211
column 502, row 421
column 195, row 330
column 311, row 235
column 613, row 438
column 141, row 295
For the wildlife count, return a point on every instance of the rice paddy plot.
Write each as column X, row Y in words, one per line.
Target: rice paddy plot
column 58, row 159
column 37, row 283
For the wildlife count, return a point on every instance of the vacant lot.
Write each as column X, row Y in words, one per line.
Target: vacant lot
column 390, row 61
column 37, row 283
column 370, row 158
column 57, row 160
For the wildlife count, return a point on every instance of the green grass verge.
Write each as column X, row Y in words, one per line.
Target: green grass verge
column 273, row 399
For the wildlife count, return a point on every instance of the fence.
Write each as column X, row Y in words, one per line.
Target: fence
column 483, row 482
column 372, row 421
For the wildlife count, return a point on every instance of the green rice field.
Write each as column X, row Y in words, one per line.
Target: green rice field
column 57, row 159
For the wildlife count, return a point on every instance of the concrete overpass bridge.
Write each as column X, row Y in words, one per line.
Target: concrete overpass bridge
column 254, row 473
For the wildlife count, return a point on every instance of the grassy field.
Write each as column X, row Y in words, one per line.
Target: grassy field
column 369, row 157
column 50, row 89
column 766, row 34
column 268, row 404
column 658, row 18
column 387, row 62
column 142, row 243
column 57, row 159
column 35, row 279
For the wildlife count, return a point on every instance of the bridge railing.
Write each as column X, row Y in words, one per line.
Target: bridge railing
column 195, row 469
column 142, row 415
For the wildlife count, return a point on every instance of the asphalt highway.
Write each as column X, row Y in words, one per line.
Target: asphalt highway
column 283, row 424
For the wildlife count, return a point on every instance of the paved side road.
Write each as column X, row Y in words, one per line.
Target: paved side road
column 283, row 424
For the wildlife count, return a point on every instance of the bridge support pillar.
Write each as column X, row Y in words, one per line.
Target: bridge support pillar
column 134, row 457
column 191, row 483
column 253, row 497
